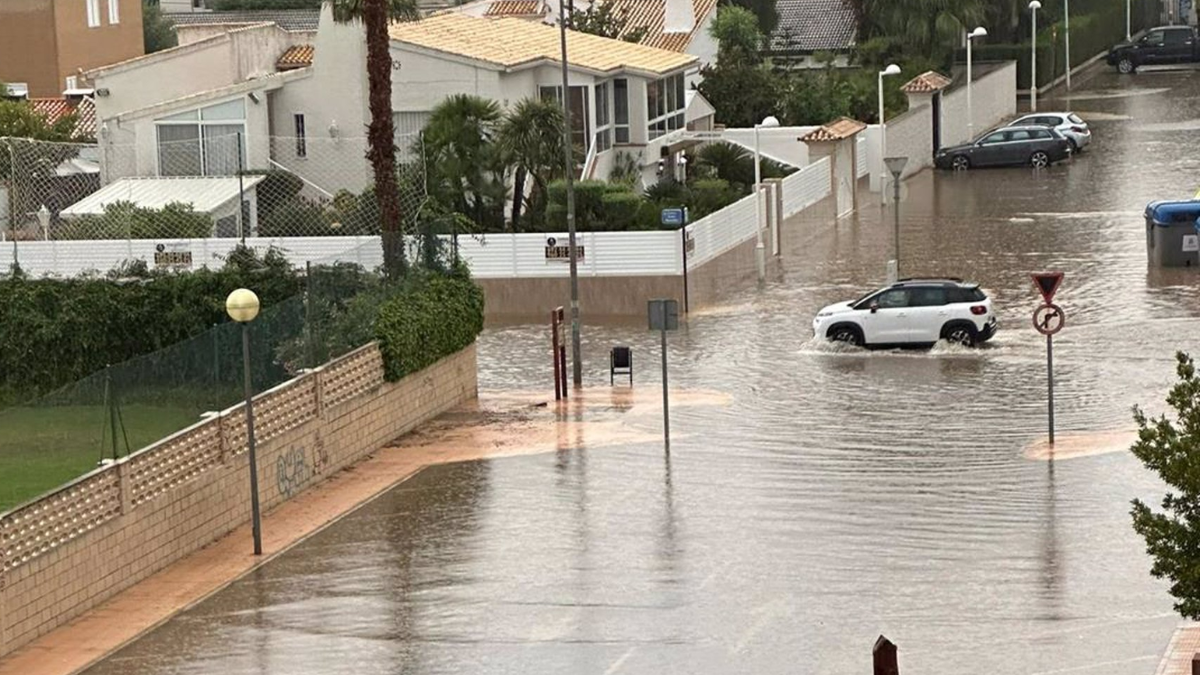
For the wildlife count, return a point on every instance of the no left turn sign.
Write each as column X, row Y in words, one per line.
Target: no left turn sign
column 1048, row 319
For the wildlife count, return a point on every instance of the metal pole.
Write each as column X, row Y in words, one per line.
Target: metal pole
column 1033, row 88
column 554, row 354
column 1128, row 11
column 255, row 522
column 683, row 238
column 109, row 395
column 760, row 251
column 241, row 192
column 666, row 405
column 576, row 357
column 896, row 220
column 308, row 314
column 1067, row 31
column 882, row 143
column 970, row 110
column 1050, row 382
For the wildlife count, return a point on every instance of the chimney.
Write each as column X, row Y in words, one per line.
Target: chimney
column 678, row 16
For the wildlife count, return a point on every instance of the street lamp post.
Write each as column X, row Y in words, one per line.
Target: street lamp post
column 1128, row 35
column 1033, row 88
column 569, row 175
column 979, row 32
column 895, row 166
column 1067, row 34
column 242, row 307
column 892, row 69
column 760, row 251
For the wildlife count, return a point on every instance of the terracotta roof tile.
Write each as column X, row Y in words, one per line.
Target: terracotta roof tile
column 927, row 82
column 509, row 43
column 515, row 8
column 650, row 14
column 836, row 130
column 54, row 109
column 297, row 56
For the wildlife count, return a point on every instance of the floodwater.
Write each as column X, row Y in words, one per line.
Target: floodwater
column 824, row 497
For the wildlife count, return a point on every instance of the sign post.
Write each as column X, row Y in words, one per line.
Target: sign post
column 664, row 316
column 1048, row 319
column 558, row 353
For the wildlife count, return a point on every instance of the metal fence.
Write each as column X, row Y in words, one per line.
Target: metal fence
column 189, row 183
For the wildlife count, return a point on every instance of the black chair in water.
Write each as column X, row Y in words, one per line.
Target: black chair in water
column 620, row 362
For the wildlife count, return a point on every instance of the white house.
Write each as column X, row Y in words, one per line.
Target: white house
column 258, row 97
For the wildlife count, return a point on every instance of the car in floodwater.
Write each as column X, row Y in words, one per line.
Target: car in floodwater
column 911, row 313
column 1030, row 145
column 1070, row 125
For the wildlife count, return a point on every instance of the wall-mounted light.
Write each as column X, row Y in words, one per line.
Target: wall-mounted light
column 253, row 97
column 105, row 132
column 334, row 131
column 102, row 91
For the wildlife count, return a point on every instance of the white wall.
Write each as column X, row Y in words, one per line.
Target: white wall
column 704, row 47
column 781, row 144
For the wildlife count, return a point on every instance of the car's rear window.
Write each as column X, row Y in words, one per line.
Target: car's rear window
column 1075, row 118
column 966, row 295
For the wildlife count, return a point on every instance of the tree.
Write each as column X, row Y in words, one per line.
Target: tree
column 156, row 29
column 19, row 120
column 932, row 28
column 375, row 15
column 1172, row 450
column 531, row 140
column 738, row 36
column 460, row 146
column 227, row 5
column 764, row 12
column 602, row 19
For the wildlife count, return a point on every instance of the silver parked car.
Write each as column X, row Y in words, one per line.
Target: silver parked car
column 1074, row 129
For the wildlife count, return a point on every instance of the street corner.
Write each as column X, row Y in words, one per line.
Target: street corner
column 1075, row 445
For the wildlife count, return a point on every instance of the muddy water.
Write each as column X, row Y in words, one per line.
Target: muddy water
column 823, row 497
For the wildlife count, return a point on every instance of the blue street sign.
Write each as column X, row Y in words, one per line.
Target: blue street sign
column 672, row 216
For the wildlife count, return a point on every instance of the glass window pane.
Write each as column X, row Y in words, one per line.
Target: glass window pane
column 602, row 105
column 221, row 144
column 186, row 116
column 680, row 93
column 622, row 134
column 179, row 150
column 231, row 110
column 621, row 100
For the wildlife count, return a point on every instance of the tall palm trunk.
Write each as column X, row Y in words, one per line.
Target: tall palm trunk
column 381, row 134
column 518, row 197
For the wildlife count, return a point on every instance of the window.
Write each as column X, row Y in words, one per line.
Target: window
column 205, row 142
column 301, row 141
column 928, row 297
column 1042, row 134
column 578, row 105
column 1075, row 118
column 993, row 138
column 621, row 110
column 1177, row 37
column 93, row 13
column 894, row 298
column 72, row 83
column 1018, row 135
column 1153, row 38
column 665, row 102
column 966, row 295
column 114, row 12
column 603, row 119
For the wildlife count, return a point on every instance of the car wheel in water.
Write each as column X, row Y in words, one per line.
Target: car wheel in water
column 1126, row 66
column 960, row 163
column 1074, row 146
column 846, row 334
column 1039, row 160
column 959, row 335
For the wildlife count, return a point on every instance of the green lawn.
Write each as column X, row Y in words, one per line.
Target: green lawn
column 44, row 447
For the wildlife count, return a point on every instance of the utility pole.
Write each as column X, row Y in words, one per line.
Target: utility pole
column 569, row 166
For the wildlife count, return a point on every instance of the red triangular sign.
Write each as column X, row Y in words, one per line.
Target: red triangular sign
column 1047, row 284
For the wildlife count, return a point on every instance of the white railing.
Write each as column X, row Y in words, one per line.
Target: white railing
column 860, row 149
column 609, row 254
column 806, row 187
column 718, row 232
column 589, row 164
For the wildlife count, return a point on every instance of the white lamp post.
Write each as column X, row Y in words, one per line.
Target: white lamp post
column 892, row 69
column 1033, row 88
column 760, row 251
column 1128, row 36
column 1067, row 33
column 242, row 307
column 977, row 33
column 43, row 216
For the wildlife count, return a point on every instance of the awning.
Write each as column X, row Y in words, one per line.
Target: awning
column 206, row 195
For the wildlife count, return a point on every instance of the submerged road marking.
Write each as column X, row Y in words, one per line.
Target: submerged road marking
column 620, row 661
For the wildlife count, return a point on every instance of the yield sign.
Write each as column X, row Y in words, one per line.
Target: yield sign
column 1047, row 284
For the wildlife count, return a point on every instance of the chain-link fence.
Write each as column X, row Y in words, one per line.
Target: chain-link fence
column 189, row 184
column 52, row 439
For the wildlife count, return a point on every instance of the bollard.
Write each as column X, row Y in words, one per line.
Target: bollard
column 884, row 656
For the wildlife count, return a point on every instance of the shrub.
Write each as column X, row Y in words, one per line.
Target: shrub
column 296, row 219
column 125, row 220
column 709, row 195
column 619, row 210
column 277, row 189
column 432, row 318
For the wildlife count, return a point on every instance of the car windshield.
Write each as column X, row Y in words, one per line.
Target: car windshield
column 865, row 297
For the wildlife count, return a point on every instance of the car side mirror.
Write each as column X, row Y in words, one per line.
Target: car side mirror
column 874, row 307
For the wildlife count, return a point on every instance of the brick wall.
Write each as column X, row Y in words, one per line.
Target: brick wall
column 77, row 547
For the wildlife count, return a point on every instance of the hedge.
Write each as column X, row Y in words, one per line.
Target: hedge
column 429, row 319
column 126, row 220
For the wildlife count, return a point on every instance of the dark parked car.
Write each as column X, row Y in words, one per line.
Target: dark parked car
column 1035, row 146
column 1165, row 44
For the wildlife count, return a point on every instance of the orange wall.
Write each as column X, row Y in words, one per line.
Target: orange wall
column 86, row 48
column 27, row 45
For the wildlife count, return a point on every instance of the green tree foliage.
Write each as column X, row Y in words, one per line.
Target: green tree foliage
column 432, row 318
column 530, row 139
column 927, row 28
column 157, row 33
column 126, row 220
column 603, row 19
column 763, row 11
column 1171, row 448
column 738, row 36
column 229, row 5
column 467, row 167
column 19, row 120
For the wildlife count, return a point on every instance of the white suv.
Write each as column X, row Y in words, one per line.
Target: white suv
column 911, row 312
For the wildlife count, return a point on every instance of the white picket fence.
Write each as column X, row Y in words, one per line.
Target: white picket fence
column 806, row 187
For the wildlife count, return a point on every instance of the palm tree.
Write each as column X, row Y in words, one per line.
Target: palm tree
column 460, row 142
column 375, row 16
column 931, row 27
column 531, row 139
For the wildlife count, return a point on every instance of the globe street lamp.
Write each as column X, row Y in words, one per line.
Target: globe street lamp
column 1033, row 88
column 242, row 307
column 892, row 69
column 760, row 251
column 977, row 33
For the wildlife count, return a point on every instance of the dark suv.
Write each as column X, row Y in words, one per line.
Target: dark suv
column 1162, row 45
column 1035, row 146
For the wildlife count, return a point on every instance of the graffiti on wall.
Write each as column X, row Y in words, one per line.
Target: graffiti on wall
column 295, row 468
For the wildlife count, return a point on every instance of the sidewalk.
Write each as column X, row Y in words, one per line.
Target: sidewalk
column 498, row 425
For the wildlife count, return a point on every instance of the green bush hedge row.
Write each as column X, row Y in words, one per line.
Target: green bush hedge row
column 431, row 318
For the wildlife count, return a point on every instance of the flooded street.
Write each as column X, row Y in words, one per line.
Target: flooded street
column 814, row 497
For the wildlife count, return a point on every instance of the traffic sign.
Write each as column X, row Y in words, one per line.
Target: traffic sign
column 1048, row 319
column 1047, row 284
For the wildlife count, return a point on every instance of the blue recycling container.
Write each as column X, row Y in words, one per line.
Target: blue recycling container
column 1171, row 233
